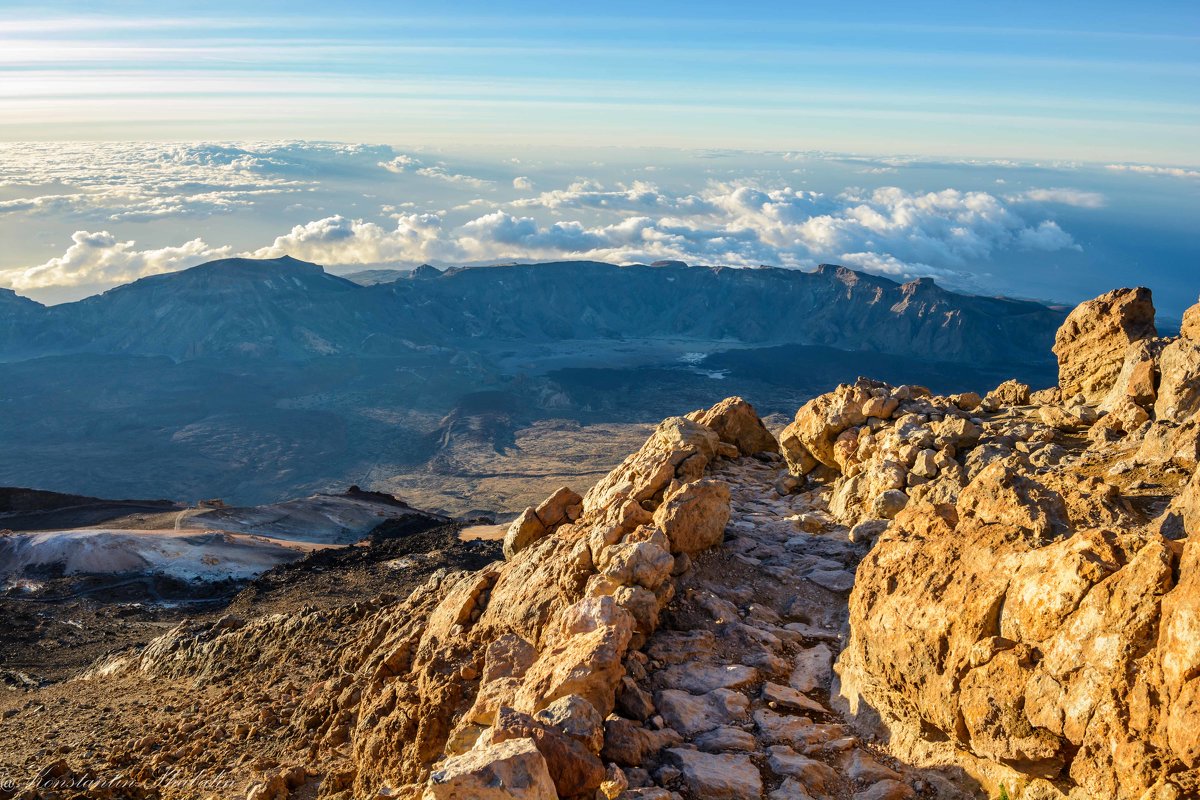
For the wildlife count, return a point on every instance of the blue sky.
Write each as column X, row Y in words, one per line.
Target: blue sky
column 1094, row 81
column 1048, row 150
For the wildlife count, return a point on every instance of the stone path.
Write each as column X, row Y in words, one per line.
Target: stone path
column 730, row 696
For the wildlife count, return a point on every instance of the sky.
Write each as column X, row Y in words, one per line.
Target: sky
column 1031, row 148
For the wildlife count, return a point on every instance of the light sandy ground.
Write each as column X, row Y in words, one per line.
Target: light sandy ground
column 186, row 555
column 486, row 533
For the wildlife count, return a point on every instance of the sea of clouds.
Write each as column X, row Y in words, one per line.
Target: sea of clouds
column 128, row 210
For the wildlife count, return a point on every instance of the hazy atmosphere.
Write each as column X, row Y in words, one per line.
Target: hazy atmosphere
column 1041, row 158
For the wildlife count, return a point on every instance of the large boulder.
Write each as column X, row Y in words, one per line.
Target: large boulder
column 679, row 447
column 1092, row 342
column 1179, row 387
column 736, row 422
column 572, row 767
column 1190, row 329
column 813, row 435
column 694, row 517
column 1075, row 662
column 511, row 770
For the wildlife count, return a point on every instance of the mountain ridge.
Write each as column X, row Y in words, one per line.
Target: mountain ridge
column 291, row 309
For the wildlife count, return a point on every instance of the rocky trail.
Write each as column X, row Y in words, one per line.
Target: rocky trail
column 736, row 680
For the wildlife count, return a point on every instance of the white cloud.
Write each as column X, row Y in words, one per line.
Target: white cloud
column 745, row 222
column 1146, row 169
column 1046, row 236
column 101, row 258
column 338, row 240
column 1066, row 197
column 403, row 163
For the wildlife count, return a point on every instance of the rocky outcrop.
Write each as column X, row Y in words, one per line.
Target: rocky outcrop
column 1029, row 628
column 1091, row 344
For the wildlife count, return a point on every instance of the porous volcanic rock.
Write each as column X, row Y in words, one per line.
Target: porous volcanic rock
column 1091, row 344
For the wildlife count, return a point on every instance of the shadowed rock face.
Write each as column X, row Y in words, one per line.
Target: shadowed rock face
column 288, row 309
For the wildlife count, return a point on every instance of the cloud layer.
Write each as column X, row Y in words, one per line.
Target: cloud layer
column 365, row 205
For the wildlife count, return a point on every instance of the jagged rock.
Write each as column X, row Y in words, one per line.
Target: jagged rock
column 559, row 508
column 629, row 744
column 577, row 718
column 720, row 777
column 1179, row 389
column 1028, row 657
column 647, row 472
column 735, row 422
column 1092, row 342
column 1139, row 375
column 1009, row 393
column 1002, row 494
column 512, row 770
column 1190, row 327
column 524, row 531
column 820, row 421
column 572, row 767
column 694, row 517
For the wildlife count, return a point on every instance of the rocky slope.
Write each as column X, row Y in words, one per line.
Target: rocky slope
column 289, row 309
column 901, row 595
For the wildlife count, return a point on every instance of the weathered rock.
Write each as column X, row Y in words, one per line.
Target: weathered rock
column 1092, row 342
column 572, row 767
column 820, row 421
column 735, row 422
column 692, row 715
column 1190, row 327
column 559, row 508
column 1009, row 393
column 1138, row 379
column 720, row 777
column 1038, row 660
column 694, row 517
column 1002, row 494
column 512, row 770
column 646, row 473
column 524, row 531
column 1179, row 389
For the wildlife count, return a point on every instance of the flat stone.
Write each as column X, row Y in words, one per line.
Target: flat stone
column 703, row 678
column 788, row 699
column 861, row 767
column 717, row 776
column 795, row 731
column 886, row 790
column 727, row 738
column 816, row 776
column 838, row 580
column 693, row 715
column 813, row 670
column 790, row 789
